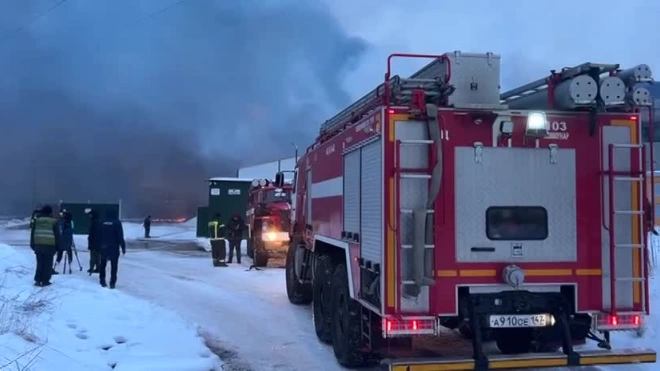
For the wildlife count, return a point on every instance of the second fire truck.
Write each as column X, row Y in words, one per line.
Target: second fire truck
column 268, row 220
column 437, row 202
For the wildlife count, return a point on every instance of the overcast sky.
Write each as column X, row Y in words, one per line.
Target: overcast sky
column 532, row 36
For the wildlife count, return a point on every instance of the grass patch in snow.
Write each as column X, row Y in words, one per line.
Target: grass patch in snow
column 19, row 318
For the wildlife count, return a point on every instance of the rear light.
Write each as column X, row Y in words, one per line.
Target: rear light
column 408, row 326
column 619, row 322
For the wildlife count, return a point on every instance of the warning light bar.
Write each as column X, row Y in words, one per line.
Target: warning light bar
column 409, row 326
column 619, row 322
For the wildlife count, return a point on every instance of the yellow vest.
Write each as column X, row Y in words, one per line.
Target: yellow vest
column 43, row 231
column 214, row 230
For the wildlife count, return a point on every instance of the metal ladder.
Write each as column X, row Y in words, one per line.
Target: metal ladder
column 401, row 93
column 633, row 178
column 410, row 173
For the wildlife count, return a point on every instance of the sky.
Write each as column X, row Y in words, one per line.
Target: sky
column 144, row 99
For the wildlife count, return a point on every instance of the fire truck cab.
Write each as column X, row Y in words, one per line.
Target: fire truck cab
column 436, row 202
column 268, row 220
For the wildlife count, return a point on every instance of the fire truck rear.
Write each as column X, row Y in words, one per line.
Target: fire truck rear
column 436, row 202
column 268, row 220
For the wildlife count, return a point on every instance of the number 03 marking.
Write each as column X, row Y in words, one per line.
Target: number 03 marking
column 558, row 126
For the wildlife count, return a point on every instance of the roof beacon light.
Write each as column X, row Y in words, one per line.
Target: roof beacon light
column 537, row 124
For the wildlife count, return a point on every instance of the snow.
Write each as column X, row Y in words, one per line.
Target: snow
column 75, row 324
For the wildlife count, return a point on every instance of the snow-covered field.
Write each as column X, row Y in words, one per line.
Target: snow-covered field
column 75, row 324
column 244, row 315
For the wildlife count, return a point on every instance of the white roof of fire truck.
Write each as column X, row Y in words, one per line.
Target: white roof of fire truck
column 229, row 179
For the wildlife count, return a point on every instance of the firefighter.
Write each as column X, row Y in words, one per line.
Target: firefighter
column 216, row 235
column 93, row 243
column 44, row 239
column 65, row 225
column 111, row 240
column 235, row 228
column 147, row 226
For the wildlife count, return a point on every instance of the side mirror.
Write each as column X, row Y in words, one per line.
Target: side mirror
column 279, row 179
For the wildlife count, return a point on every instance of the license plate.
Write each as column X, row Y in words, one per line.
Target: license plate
column 519, row 320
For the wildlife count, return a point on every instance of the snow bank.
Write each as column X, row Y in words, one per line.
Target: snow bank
column 77, row 325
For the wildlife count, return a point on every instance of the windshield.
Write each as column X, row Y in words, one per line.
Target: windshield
column 277, row 195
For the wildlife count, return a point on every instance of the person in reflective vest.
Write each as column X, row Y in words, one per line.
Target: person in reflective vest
column 218, row 243
column 44, row 239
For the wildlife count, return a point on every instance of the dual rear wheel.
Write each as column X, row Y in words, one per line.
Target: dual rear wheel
column 337, row 317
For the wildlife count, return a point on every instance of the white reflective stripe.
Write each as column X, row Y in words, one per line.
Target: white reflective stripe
column 328, row 188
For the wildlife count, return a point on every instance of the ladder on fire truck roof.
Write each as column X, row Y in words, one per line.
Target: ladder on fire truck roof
column 401, row 93
column 634, row 178
column 565, row 74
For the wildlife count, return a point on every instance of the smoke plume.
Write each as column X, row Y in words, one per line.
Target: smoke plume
column 144, row 100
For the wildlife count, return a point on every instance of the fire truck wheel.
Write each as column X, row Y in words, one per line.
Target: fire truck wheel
column 297, row 292
column 321, row 291
column 346, row 325
column 260, row 258
column 513, row 341
column 250, row 248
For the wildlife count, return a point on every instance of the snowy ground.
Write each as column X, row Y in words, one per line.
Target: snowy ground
column 245, row 315
column 77, row 325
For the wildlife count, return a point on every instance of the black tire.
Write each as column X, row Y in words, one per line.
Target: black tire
column 298, row 293
column 346, row 323
column 260, row 258
column 322, row 298
column 451, row 323
column 513, row 341
column 465, row 329
column 250, row 248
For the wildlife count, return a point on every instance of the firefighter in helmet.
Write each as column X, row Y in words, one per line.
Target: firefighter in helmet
column 218, row 242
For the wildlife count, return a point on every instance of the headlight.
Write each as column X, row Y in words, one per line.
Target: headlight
column 537, row 124
column 537, row 121
column 271, row 236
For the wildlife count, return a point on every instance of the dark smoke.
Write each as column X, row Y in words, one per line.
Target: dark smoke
column 144, row 100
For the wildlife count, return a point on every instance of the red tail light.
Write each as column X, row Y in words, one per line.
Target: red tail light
column 620, row 322
column 405, row 326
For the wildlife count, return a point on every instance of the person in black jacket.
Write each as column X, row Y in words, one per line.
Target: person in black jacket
column 235, row 228
column 147, row 226
column 111, row 240
column 94, row 243
column 65, row 223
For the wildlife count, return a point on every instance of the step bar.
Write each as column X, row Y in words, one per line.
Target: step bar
column 524, row 361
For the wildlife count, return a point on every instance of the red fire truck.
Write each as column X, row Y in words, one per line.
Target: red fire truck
column 268, row 220
column 436, row 202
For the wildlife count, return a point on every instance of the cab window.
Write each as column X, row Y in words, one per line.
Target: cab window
column 517, row 223
column 277, row 195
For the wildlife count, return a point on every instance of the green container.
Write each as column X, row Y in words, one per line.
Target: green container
column 202, row 221
column 228, row 196
column 80, row 211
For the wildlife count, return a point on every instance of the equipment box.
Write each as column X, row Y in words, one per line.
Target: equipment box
column 476, row 77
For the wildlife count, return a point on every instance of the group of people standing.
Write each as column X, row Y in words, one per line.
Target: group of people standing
column 50, row 237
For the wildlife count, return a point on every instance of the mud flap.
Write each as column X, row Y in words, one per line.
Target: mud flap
column 523, row 361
